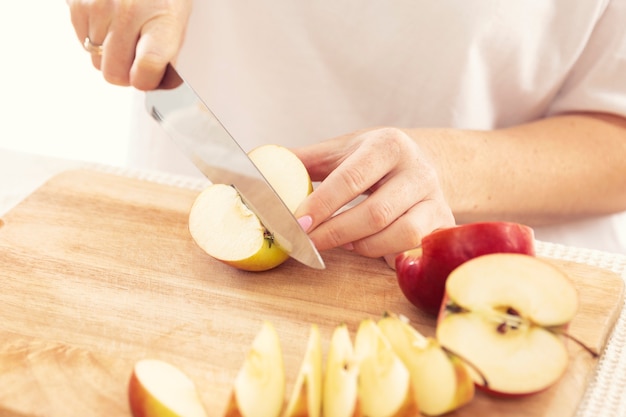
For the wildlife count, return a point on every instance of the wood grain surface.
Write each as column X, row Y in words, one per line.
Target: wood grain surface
column 99, row 271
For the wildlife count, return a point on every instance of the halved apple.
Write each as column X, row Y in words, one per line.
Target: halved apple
column 422, row 272
column 259, row 388
column 306, row 398
column 226, row 229
column 159, row 389
column 285, row 172
column 503, row 314
column 441, row 381
column 340, row 388
column 384, row 382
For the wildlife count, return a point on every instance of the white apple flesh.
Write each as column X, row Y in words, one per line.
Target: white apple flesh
column 503, row 313
column 422, row 272
column 340, row 387
column 226, row 229
column 306, row 398
column 285, row 173
column 385, row 388
column 259, row 387
column 442, row 383
column 159, row 389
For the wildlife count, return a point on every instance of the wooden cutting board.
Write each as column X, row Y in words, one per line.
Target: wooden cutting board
column 99, row 271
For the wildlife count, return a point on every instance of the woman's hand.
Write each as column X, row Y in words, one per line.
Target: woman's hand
column 404, row 202
column 138, row 37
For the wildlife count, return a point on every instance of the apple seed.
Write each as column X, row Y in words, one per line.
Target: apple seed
column 454, row 308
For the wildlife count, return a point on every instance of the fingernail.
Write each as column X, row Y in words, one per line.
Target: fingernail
column 305, row 222
column 348, row 246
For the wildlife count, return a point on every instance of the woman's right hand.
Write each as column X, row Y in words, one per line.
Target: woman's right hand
column 138, row 37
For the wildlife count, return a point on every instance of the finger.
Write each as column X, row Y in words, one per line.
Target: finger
column 361, row 169
column 407, row 231
column 91, row 22
column 372, row 215
column 322, row 158
column 100, row 17
column 158, row 45
column 119, row 52
column 391, row 260
column 80, row 20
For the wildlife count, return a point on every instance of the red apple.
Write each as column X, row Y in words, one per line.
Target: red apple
column 506, row 316
column 422, row 272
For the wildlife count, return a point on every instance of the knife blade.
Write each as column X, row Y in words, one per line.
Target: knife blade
column 203, row 138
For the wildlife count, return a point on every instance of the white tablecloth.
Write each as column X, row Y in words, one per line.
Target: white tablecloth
column 21, row 174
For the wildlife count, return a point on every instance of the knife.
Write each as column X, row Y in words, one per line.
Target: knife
column 202, row 137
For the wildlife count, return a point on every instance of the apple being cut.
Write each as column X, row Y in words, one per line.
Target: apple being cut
column 285, row 173
column 226, row 229
column 259, row 387
column 159, row 389
column 441, row 381
column 422, row 272
column 505, row 314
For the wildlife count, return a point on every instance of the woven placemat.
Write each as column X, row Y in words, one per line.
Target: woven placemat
column 606, row 395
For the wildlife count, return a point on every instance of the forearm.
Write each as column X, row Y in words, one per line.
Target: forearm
column 557, row 169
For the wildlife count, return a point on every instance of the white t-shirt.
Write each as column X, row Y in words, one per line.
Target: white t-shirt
column 297, row 72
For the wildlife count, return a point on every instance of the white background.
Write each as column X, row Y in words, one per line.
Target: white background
column 52, row 100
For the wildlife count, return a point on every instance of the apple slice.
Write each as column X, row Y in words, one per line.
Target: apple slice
column 226, row 229
column 441, row 381
column 259, row 388
column 422, row 272
column 384, row 382
column 340, row 388
column 504, row 314
column 306, row 398
column 159, row 389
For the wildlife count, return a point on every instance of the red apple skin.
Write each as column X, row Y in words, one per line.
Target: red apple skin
column 422, row 272
column 137, row 402
column 509, row 395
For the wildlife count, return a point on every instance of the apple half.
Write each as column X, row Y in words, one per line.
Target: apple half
column 441, row 381
column 259, row 388
column 340, row 387
column 505, row 314
column 384, row 385
column 285, row 173
column 226, row 229
column 306, row 398
column 159, row 389
column 422, row 272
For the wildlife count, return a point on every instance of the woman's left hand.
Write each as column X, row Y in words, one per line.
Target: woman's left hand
column 404, row 200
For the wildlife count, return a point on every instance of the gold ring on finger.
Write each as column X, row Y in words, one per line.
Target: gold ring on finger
column 92, row 48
